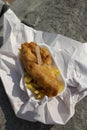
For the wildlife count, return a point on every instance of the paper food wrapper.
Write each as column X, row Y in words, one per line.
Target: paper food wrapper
column 70, row 56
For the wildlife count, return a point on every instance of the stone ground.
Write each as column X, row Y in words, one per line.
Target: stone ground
column 68, row 18
column 9, row 1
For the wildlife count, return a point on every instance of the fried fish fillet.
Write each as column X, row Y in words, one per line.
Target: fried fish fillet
column 42, row 74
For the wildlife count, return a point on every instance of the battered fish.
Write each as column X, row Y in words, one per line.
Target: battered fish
column 42, row 74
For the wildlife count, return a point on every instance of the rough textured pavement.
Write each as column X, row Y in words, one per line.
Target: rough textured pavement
column 66, row 17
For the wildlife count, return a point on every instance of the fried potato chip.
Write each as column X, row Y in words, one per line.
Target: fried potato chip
column 27, row 78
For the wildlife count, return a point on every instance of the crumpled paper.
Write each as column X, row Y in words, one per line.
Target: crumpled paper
column 70, row 56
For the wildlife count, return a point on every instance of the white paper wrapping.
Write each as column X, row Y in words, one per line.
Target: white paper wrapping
column 70, row 56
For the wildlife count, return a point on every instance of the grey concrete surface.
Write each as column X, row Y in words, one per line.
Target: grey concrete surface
column 66, row 17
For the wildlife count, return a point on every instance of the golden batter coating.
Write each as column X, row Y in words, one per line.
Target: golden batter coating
column 42, row 74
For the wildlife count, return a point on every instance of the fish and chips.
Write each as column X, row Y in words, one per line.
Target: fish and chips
column 41, row 74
